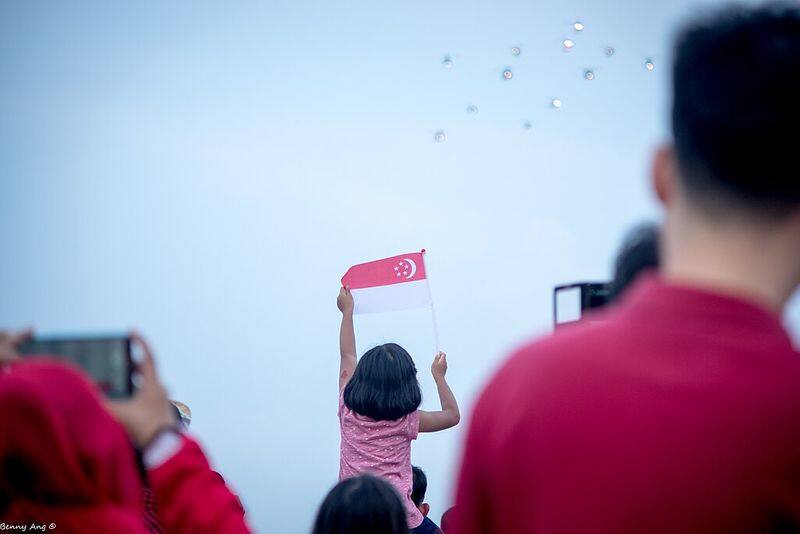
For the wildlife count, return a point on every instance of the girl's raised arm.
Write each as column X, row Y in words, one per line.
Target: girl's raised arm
column 347, row 338
column 449, row 415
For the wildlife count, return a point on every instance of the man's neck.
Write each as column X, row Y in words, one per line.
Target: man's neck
column 747, row 262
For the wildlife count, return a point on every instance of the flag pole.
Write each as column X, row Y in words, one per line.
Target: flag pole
column 435, row 328
column 433, row 308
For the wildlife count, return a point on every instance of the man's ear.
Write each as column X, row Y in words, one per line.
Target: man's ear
column 665, row 174
column 425, row 508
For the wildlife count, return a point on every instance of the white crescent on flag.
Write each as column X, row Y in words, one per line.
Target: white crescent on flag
column 413, row 267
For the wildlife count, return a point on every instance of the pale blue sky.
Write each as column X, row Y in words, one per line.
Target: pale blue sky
column 207, row 171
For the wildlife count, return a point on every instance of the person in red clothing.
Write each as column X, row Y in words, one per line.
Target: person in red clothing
column 446, row 521
column 679, row 410
column 66, row 461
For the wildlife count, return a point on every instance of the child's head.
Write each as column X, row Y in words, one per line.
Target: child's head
column 361, row 505
column 419, row 487
column 384, row 385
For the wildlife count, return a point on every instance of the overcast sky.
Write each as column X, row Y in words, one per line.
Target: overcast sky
column 206, row 172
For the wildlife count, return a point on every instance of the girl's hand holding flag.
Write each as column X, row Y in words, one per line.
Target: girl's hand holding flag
column 347, row 337
column 448, row 416
column 345, row 301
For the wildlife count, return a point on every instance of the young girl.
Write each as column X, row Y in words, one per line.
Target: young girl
column 379, row 398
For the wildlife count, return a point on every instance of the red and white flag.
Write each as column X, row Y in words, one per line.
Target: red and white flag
column 390, row 284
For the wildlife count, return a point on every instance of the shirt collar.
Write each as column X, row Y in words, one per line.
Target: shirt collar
column 719, row 314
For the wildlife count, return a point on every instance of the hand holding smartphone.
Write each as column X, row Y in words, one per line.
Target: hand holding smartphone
column 106, row 359
column 144, row 411
column 148, row 411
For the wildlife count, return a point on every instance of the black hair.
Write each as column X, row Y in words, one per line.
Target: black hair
column 361, row 505
column 736, row 107
column 384, row 386
column 638, row 253
column 419, row 486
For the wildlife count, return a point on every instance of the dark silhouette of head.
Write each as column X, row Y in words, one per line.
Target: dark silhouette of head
column 736, row 81
column 361, row 505
column 638, row 253
column 418, row 489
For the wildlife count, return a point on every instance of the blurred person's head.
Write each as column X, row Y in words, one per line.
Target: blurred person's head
column 361, row 505
column 730, row 183
column 384, row 385
column 418, row 489
column 446, row 523
column 638, row 254
column 63, row 458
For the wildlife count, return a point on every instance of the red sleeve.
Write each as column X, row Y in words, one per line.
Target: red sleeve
column 193, row 498
column 472, row 497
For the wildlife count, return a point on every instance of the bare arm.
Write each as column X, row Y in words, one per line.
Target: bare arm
column 448, row 416
column 347, row 338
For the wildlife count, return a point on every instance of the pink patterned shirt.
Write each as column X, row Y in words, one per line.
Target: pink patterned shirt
column 382, row 448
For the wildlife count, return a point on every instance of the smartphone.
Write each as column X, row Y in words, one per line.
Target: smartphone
column 106, row 359
column 571, row 301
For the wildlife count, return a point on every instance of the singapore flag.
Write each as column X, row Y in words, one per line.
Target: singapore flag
column 390, row 284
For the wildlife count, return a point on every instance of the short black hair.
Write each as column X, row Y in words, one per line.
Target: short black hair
column 384, row 386
column 736, row 108
column 361, row 505
column 638, row 253
column 419, row 486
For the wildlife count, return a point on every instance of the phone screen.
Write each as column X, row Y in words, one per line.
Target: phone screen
column 568, row 304
column 572, row 301
column 107, row 360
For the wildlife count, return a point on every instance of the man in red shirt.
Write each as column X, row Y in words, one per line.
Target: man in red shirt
column 680, row 410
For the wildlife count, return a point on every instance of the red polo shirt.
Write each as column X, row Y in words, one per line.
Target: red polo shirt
column 679, row 413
